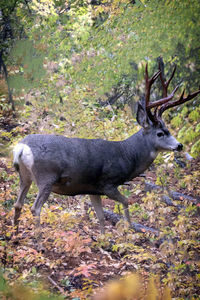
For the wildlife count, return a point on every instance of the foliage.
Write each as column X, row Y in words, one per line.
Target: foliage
column 20, row 292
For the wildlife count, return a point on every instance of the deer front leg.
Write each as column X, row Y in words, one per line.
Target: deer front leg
column 114, row 194
column 97, row 204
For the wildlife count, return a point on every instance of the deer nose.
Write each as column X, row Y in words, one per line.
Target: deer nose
column 179, row 147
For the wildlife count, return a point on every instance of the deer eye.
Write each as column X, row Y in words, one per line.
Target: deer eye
column 159, row 134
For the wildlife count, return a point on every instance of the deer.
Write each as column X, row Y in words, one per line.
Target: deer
column 96, row 167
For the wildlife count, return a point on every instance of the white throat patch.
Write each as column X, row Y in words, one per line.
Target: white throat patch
column 153, row 154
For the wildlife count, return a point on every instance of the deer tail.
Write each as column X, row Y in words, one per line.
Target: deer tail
column 17, row 153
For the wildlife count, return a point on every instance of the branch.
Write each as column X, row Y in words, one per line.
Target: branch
column 114, row 218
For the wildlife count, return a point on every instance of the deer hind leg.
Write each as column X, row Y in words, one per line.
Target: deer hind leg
column 97, row 204
column 25, row 182
column 114, row 194
column 43, row 194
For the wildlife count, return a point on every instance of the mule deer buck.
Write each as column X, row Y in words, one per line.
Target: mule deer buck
column 73, row 166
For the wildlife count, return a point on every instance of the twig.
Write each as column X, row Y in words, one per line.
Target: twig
column 56, row 285
column 105, row 253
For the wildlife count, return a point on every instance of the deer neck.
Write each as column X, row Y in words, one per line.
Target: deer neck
column 140, row 152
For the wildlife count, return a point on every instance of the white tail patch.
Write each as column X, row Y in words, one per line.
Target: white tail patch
column 22, row 153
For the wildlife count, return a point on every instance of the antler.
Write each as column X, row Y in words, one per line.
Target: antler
column 165, row 102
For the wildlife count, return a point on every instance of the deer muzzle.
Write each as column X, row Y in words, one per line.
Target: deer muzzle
column 179, row 147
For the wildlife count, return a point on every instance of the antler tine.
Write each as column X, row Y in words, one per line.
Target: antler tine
column 149, row 83
column 162, row 81
column 181, row 100
column 165, row 84
column 172, row 75
column 163, row 100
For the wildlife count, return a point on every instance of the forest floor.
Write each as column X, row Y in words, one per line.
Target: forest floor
column 70, row 256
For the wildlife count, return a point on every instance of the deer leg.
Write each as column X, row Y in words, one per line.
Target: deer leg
column 97, row 204
column 24, row 187
column 114, row 194
column 43, row 194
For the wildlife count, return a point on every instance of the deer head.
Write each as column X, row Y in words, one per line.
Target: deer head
column 149, row 114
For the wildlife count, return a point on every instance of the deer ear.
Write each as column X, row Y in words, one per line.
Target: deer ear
column 141, row 116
